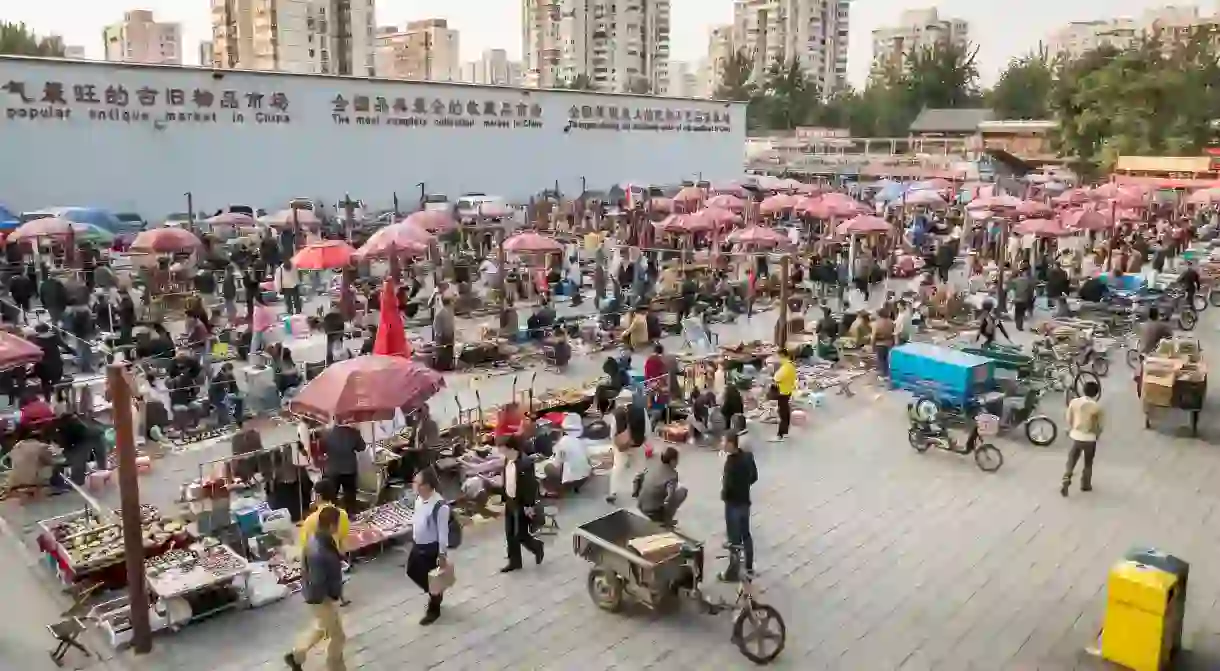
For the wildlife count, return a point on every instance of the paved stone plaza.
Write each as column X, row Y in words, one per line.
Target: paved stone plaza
column 877, row 556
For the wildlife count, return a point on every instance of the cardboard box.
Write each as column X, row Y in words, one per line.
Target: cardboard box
column 1157, row 390
column 658, row 547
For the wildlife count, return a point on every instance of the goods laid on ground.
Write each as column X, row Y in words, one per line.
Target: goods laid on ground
column 88, row 544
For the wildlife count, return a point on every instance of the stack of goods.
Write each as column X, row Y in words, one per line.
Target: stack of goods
column 391, row 519
column 658, row 547
column 85, row 542
column 1176, row 377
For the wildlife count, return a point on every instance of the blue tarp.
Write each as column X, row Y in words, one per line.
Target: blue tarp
column 8, row 220
column 95, row 216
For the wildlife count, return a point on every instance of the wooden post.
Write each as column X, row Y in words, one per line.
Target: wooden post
column 349, row 216
column 1002, row 254
column 503, row 277
column 129, row 495
column 781, row 329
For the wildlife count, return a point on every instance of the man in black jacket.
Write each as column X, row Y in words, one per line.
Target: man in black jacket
column 322, row 589
column 740, row 473
column 520, row 497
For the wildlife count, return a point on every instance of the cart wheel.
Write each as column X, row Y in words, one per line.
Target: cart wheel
column 1041, row 430
column 760, row 633
column 1187, row 319
column 1201, row 301
column 1101, row 365
column 988, row 457
column 606, row 590
column 926, row 409
column 917, row 441
column 1133, row 358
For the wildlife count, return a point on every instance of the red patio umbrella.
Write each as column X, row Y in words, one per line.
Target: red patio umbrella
column 166, row 241
column 864, row 224
column 41, row 228
column 685, row 223
column 1032, row 208
column 1209, row 196
column 729, row 189
column 1046, row 228
column 1086, row 220
column 391, row 334
column 531, row 242
column 16, row 352
column 365, row 389
column 778, row 203
column 1001, row 202
column 662, row 205
column 757, row 235
column 719, row 217
column 323, row 255
column 1072, row 197
column 433, row 221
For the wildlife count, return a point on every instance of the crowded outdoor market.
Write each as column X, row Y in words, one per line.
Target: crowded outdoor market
column 306, row 362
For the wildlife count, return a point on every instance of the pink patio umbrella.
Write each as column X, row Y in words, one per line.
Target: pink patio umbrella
column 1127, row 200
column 936, row 184
column 1209, row 196
column 42, row 228
column 1001, row 202
column 926, row 198
column 433, row 221
column 1072, row 197
column 530, row 242
column 726, row 202
column 864, row 224
column 367, row 388
column 16, row 352
column 323, row 255
column 778, row 203
column 689, row 195
column 719, row 217
column 834, row 208
column 1046, row 228
column 401, row 238
column 757, row 235
column 292, row 217
column 166, row 241
column 1114, row 190
column 685, row 223
column 1033, row 208
column 1085, row 220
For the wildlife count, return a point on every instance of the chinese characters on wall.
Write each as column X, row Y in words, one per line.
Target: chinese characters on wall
column 421, row 111
column 59, row 101
column 655, row 119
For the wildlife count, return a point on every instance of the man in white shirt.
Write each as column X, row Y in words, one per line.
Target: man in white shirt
column 430, row 532
column 490, row 274
column 570, row 467
column 1084, row 419
column 288, row 280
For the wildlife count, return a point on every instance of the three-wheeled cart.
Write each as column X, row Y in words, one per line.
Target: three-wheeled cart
column 619, row 570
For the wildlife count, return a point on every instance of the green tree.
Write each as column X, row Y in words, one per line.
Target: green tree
column 789, row 98
column 944, row 75
column 18, row 40
column 639, row 86
column 1023, row 90
column 735, row 79
column 579, row 83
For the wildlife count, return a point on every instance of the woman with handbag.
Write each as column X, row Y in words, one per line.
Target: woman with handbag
column 781, row 390
column 630, row 430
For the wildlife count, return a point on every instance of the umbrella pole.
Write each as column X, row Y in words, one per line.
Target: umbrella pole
column 781, row 329
column 502, row 294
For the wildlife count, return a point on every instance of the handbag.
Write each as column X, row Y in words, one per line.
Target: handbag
column 441, row 578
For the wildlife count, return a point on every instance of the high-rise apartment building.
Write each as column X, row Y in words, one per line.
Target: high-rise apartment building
column 1173, row 24
column 684, row 80
column 720, row 48
column 422, row 50
column 494, row 68
column 138, row 38
column 810, row 32
column 917, row 29
column 207, row 54
column 307, row 36
column 619, row 45
column 74, row 51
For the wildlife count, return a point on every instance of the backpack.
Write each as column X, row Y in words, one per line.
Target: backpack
column 455, row 528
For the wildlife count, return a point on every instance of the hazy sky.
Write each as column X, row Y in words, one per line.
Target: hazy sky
column 1001, row 30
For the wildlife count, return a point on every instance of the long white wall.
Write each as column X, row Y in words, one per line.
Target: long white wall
column 133, row 137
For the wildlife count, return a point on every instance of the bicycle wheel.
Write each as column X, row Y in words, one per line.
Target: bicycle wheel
column 1202, row 300
column 1187, row 319
column 1041, row 430
column 1083, row 376
column 1101, row 365
column 1213, row 297
column 917, row 441
column 988, row 457
column 760, row 633
column 1133, row 358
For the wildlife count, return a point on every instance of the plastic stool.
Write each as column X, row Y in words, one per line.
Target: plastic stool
column 98, row 479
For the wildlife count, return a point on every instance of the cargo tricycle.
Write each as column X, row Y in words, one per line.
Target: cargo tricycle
column 660, row 581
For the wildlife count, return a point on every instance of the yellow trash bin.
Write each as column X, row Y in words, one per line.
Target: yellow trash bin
column 1136, row 632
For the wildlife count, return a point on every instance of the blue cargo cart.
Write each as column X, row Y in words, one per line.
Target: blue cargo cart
column 951, row 377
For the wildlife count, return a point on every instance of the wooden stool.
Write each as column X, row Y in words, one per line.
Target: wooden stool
column 65, row 632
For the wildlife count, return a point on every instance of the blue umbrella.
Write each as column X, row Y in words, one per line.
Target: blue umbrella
column 8, row 220
column 94, row 216
column 890, row 193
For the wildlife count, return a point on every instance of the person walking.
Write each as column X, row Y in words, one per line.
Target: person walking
column 340, row 445
column 288, row 280
column 322, row 588
column 629, row 431
column 783, row 386
column 740, row 473
column 430, row 531
column 520, row 497
column 1084, row 419
column 1022, row 297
